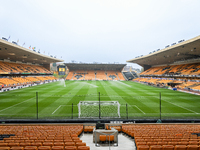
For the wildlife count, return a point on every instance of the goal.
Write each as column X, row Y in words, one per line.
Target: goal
column 90, row 109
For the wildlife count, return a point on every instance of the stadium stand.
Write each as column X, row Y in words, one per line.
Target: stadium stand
column 13, row 82
column 95, row 75
column 120, row 76
column 188, row 84
column 130, row 75
column 90, row 75
column 111, row 75
column 21, row 80
column 8, row 82
column 16, row 72
column 79, row 74
column 117, row 127
column 47, row 137
column 170, row 136
column 33, row 79
column 101, row 75
column 179, row 83
column 78, row 71
column 41, row 78
column 88, row 128
column 50, row 77
column 70, row 76
column 197, row 87
column 183, row 76
column 145, row 136
column 181, row 70
column 8, row 67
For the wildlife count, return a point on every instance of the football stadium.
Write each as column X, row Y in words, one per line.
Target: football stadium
column 101, row 96
column 49, row 103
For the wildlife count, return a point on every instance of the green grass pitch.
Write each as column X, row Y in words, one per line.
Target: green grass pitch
column 55, row 100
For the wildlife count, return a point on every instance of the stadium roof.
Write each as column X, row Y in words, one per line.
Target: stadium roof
column 15, row 53
column 77, row 66
column 174, row 54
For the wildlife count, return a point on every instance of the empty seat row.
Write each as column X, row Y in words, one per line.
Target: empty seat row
column 16, row 81
column 168, row 147
column 36, row 137
column 47, row 148
column 106, row 138
column 185, row 69
column 8, row 67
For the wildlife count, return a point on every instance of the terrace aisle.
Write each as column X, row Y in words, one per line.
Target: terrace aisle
column 125, row 143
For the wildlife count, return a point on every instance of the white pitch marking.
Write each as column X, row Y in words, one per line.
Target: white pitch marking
column 15, row 105
column 88, row 84
column 168, row 113
column 139, row 109
column 124, row 84
column 181, row 106
column 57, row 109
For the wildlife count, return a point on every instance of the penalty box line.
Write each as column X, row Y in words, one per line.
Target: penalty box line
column 181, row 107
column 58, row 108
column 139, row 109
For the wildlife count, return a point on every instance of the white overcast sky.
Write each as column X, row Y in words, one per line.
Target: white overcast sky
column 99, row 30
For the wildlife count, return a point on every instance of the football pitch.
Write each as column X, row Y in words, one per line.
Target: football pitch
column 59, row 100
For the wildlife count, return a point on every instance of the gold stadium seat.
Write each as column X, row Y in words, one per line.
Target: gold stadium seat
column 83, row 148
column 142, row 147
column 70, row 148
column 155, row 147
column 44, row 148
column 192, row 147
column 81, row 144
column 110, row 138
column 30, row 148
column 5, row 148
column 180, row 147
column 57, row 148
column 102, row 138
column 168, row 147
column 17, row 148
column 70, row 144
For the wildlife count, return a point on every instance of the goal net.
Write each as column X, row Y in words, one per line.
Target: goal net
column 90, row 109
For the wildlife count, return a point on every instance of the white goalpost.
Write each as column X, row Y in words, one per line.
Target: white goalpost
column 90, row 109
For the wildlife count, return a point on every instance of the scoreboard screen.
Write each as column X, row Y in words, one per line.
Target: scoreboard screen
column 61, row 69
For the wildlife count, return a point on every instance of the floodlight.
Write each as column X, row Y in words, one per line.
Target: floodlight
column 14, row 42
column 173, row 44
column 4, row 38
column 166, row 46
